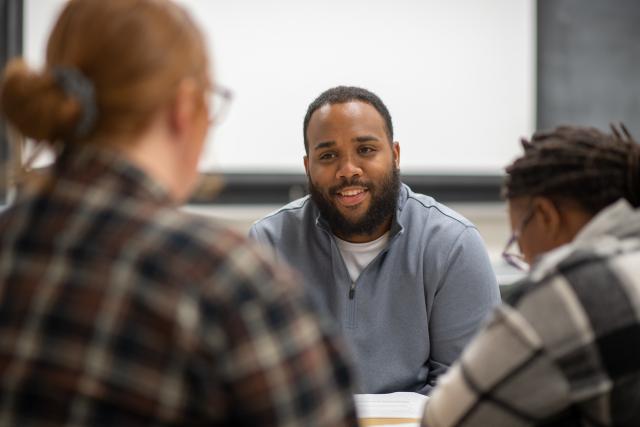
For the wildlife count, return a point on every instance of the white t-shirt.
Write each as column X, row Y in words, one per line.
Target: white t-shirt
column 357, row 256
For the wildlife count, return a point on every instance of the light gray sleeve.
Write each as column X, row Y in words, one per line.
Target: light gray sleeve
column 258, row 234
column 253, row 233
column 465, row 295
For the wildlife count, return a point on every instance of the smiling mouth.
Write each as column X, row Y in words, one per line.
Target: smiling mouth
column 351, row 196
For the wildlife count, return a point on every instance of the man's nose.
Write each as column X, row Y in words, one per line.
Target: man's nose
column 348, row 168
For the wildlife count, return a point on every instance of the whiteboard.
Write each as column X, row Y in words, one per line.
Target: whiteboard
column 457, row 76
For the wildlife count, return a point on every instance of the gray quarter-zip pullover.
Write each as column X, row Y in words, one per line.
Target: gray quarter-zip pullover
column 414, row 307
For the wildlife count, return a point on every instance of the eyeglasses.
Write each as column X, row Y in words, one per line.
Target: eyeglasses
column 513, row 258
column 219, row 103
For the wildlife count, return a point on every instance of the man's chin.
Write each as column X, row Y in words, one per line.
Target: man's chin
column 353, row 222
column 352, row 213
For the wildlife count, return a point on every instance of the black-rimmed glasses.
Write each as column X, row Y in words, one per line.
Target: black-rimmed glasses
column 513, row 258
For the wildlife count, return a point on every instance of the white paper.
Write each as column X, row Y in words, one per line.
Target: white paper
column 416, row 424
column 390, row 405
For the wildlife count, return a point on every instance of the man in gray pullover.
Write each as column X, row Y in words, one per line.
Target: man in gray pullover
column 408, row 279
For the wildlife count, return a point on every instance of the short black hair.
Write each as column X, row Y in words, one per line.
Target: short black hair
column 581, row 164
column 341, row 95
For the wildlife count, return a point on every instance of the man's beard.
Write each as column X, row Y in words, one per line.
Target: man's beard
column 384, row 201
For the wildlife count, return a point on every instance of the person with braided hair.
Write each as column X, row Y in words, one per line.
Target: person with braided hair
column 564, row 348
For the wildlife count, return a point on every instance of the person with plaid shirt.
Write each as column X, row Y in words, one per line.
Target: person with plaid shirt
column 116, row 308
column 565, row 347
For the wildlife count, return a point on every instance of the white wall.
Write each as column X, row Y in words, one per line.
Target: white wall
column 457, row 76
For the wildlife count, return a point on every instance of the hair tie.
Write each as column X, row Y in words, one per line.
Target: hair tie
column 76, row 85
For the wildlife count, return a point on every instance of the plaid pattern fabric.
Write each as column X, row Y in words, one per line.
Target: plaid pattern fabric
column 116, row 309
column 566, row 349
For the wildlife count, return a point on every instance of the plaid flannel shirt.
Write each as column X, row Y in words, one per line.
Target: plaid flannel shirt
column 117, row 309
column 566, row 349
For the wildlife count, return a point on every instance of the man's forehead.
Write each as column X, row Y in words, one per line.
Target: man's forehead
column 350, row 108
column 352, row 113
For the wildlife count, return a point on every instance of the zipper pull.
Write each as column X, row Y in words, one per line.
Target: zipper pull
column 352, row 290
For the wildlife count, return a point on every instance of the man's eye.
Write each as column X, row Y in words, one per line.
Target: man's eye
column 327, row 156
column 366, row 150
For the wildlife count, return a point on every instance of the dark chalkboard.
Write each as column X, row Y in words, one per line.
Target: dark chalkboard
column 10, row 46
column 588, row 63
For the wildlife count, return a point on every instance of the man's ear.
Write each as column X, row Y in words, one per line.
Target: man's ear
column 306, row 164
column 395, row 147
column 548, row 217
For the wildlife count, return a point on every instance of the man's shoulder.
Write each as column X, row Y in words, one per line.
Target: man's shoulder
column 426, row 207
column 290, row 214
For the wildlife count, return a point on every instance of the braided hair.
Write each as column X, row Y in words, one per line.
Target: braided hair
column 581, row 164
